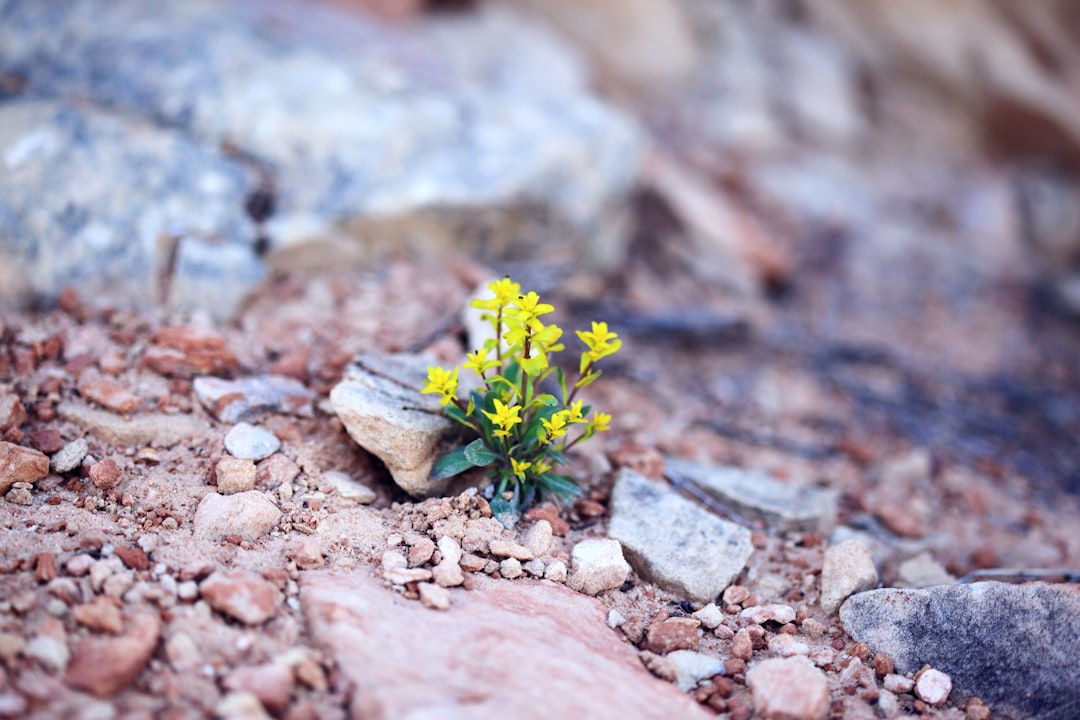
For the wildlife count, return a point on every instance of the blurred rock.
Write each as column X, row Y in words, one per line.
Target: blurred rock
column 598, row 565
column 848, row 568
column 235, row 400
column 789, row 689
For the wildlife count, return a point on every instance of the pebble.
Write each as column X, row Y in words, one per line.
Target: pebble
column 231, row 401
column 888, row 704
column 133, row 557
column 20, row 464
column 555, row 571
column 250, row 514
column 11, row 646
column 187, row 590
column 450, row 549
column 615, row 618
column 108, row 393
column 598, row 565
column 672, row 634
column 240, row 705
column 510, row 568
column 241, row 595
column 403, row 576
column 761, row 614
column 275, row 471
column 709, row 616
column 20, row 495
column 848, row 568
column 420, row 551
column 102, row 570
column 933, row 687
column 70, row 456
column 306, row 552
column 50, row 652
column 783, row 645
column 138, row 430
column 685, row 668
column 735, row 594
column 742, row 645
column 510, row 549
column 472, row 563
column 118, row 584
column 348, row 488
column 12, row 412
column 534, row 567
column 235, row 475
column 788, row 688
column 105, row 474
column 538, row 538
column 479, row 533
column 100, row 614
column 898, row 683
column 447, row 573
column 250, row 442
column 434, row 596
column 922, row 571
column 272, row 683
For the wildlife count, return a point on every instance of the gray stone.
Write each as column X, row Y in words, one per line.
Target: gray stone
column 674, row 542
column 113, row 206
column 848, row 568
column 247, row 514
column 380, row 404
column 235, row 400
column 685, row 668
column 758, row 496
column 1015, row 646
column 252, row 443
column 922, row 571
column 70, row 456
column 481, row 123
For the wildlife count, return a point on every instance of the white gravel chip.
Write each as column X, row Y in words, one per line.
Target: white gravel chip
column 250, row 442
column 933, row 687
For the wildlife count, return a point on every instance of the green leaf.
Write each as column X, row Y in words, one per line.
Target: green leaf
column 503, row 511
column 588, row 379
column 547, row 400
column 560, row 485
column 560, row 374
column 479, row 454
column 450, row 464
column 556, row 456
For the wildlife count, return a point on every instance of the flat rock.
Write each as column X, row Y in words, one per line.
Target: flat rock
column 759, row 496
column 380, row 404
column 235, row 400
column 104, row 666
column 158, row 430
column 241, row 595
column 20, row 464
column 524, row 649
column 848, row 568
column 168, row 202
column 788, row 689
column 692, row 552
column 1015, row 646
column 247, row 514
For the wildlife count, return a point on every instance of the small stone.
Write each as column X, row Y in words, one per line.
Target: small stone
column 108, row 393
column 50, row 652
column 47, row 440
column 420, row 552
column 615, row 618
column 105, row 474
column 11, row 646
column 709, row 616
column 20, row 464
column 538, row 538
column 450, row 549
column 135, row 558
column 19, row 496
column 479, row 533
column 348, row 488
column 555, row 571
column 509, row 549
column 250, row 442
column 888, row 704
column 883, row 665
column 102, row 570
column 70, row 456
column 510, row 568
column 534, row 567
column 761, row 614
column 742, row 645
column 735, row 594
column 789, row 689
column 251, row 515
column 118, row 584
column 922, row 571
column 976, row 710
column 275, row 471
column 231, row 401
column 448, row 574
column 435, row 597
column 187, row 590
column 240, row 705
column 933, row 687
column 306, row 552
column 235, row 475
column 100, row 614
column 472, row 563
column 598, row 565
column 897, row 683
column 403, row 576
column 550, row 513
column 272, row 683
column 685, row 668
column 12, row 412
column 672, row 634
column 242, row 595
column 783, row 645
column 848, row 568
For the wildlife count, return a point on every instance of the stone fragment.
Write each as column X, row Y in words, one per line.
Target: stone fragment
column 306, row 552
column 759, row 496
column 20, row 494
column 788, row 689
column 1015, row 646
column 898, row 683
column 380, row 404
column 448, row 574
column 107, row 392
column 783, row 645
column 272, row 683
column 404, row 576
column 692, row 552
column 105, row 665
column 538, row 538
column 248, row 441
column 241, row 595
column 672, row 634
column 211, row 357
column 234, row 475
column 761, row 614
column 510, row 549
column 136, row 431
column 555, row 572
column 514, row 632
column 435, row 597
column 848, row 568
column 105, row 474
column 135, row 558
column 548, row 512
column 100, row 614
column 933, row 687
column 12, row 412
column 742, row 645
column 480, row 533
column 450, row 549
column 685, row 668
column 275, row 471
column 231, row 401
column 922, row 571
column 20, row 464
column 348, row 488
column 598, row 565
column 420, row 551
column 251, row 515
column 240, row 705
column 47, row 440
column 709, row 616
column 50, row 652
column 510, row 568
column 472, row 563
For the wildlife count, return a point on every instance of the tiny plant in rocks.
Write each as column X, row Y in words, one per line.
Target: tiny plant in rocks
column 522, row 431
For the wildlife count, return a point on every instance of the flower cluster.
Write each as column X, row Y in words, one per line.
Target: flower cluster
column 524, row 432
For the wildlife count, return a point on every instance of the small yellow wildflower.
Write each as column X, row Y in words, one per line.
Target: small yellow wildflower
column 519, row 468
column 541, row 467
column 503, row 292
column 599, row 423
column 555, row 428
column 504, row 418
column 478, row 362
column 574, row 412
column 527, row 308
column 601, row 343
column 442, row 381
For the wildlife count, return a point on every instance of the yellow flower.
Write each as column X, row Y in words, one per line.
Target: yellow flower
column 527, row 308
column 503, row 292
column 520, row 467
column 540, row 467
column 441, row 381
column 601, row 343
column 478, row 361
column 573, row 412
column 555, row 428
column 599, row 422
column 504, row 418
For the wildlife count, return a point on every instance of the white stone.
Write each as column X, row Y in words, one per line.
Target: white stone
column 555, row 571
column 709, row 616
column 598, row 565
column 692, row 667
column 510, row 568
column 933, row 687
column 897, row 683
column 538, row 538
column 922, row 571
column 761, row 614
column 250, row 442
column 250, row 514
column 52, row 653
column 848, row 568
column 434, row 596
column 348, row 488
